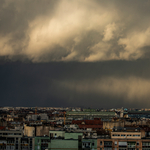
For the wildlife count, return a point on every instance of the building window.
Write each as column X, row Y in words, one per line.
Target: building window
column 115, row 142
column 100, row 142
column 115, row 135
column 123, row 135
column 92, row 144
column 17, row 133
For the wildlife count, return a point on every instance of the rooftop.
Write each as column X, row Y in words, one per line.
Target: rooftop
column 91, row 113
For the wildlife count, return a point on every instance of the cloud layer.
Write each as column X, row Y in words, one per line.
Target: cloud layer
column 99, row 84
column 84, row 31
column 114, row 35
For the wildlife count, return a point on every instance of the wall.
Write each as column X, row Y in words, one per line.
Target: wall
column 73, row 135
column 29, row 131
column 38, row 142
column 58, row 133
column 127, row 135
column 111, row 125
column 116, row 146
column 43, row 130
column 58, row 144
column 91, row 141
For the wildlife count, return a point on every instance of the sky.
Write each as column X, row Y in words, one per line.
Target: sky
column 75, row 53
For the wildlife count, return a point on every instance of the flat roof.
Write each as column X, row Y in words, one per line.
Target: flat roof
column 86, row 113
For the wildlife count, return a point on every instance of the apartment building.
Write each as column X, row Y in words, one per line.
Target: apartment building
column 14, row 140
column 123, row 140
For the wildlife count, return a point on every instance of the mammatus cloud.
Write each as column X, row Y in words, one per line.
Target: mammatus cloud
column 130, row 89
column 74, row 30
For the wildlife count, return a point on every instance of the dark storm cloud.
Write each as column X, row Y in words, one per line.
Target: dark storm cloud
column 100, row 84
column 16, row 15
column 14, row 23
column 84, row 30
column 75, row 53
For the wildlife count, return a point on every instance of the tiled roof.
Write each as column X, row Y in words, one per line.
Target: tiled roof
column 2, row 128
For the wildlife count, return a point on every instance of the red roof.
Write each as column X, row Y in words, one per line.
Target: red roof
column 2, row 128
column 87, row 122
column 90, row 126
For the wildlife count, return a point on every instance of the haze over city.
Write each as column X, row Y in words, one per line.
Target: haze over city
column 75, row 53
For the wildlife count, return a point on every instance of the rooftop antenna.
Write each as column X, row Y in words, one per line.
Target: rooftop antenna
column 36, row 110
